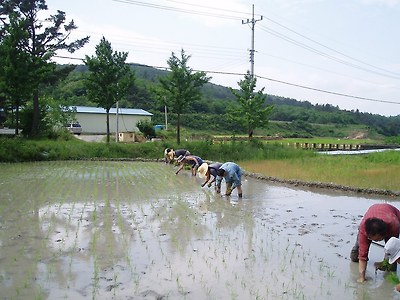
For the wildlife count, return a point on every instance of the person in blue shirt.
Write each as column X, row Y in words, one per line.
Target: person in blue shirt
column 206, row 171
column 194, row 161
column 232, row 174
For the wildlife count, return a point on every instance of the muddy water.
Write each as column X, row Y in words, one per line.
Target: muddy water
column 133, row 230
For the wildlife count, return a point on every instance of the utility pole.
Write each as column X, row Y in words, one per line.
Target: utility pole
column 166, row 118
column 253, row 23
column 116, row 115
column 117, row 133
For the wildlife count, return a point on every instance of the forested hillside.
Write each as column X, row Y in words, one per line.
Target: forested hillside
column 289, row 117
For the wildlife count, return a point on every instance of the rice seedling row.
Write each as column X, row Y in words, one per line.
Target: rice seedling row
column 123, row 230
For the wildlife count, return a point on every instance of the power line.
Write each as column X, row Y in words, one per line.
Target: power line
column 329, row 48
column 309, row 48
column 328, row 92
column 269, row 79
column 386, row 73
column 171, row 8
column 209, row 7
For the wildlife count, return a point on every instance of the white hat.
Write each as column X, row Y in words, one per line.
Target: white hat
column 392, row 249
column 202, row 170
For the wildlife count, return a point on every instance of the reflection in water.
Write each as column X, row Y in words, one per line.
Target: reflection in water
column 132, row 230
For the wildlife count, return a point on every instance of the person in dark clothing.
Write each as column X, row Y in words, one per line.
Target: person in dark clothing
column 170, row 155
column 207, row 171
column 194, row 161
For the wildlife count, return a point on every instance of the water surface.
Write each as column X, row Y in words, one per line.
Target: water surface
column 135, row 230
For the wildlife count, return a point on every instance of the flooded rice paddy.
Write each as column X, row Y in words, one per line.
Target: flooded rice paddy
column 135, row 230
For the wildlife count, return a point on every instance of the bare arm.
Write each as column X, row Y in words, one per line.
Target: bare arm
column 362, row 267
column 207, row 179
column 180, row 168
column 211, row 182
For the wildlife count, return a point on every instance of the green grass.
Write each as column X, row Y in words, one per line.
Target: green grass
column 374, row 170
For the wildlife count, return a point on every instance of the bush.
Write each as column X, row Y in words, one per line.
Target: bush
column 147, row 128
column 20, row 150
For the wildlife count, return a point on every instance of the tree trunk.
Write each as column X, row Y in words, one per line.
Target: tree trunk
column 250, row 132
column 17, row 119
column 178, row 128
column 108, row 126
column 36, row 114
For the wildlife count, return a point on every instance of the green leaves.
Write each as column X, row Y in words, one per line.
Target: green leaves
column 181, row 86
column 252, row 110
column 27, row 46
column 109, row 78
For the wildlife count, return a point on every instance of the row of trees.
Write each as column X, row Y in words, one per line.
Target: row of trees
column 110, row 79
column 27, row 49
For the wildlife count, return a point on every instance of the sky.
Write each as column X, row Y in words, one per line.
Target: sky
column 345, row 53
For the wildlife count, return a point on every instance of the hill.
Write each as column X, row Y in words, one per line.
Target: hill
column 290, row 117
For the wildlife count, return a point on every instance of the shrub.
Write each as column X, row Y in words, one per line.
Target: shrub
column 147, row 128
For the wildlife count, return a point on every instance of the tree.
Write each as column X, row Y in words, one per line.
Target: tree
column 15, row 82
column 109, row 78
column 180, row 87
column 39, row 44
column 252, row 110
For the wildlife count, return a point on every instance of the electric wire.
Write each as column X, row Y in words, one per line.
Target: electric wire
column 328, row 92
column 211, row 8
column 329, row 48
column 270, row 79
column 272, row 32
column 309, row 48
column 206, row 52
column 315, row 67
column 171, row 8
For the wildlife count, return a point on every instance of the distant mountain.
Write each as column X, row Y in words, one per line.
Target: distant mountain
column 216, row 100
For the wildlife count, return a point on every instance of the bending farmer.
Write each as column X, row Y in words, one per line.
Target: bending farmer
column 194, row 161
column 232, row 174
column 380, row 222
column 207, row 171
column 170, row 154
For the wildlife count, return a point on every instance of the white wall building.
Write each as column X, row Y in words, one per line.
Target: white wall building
column 94, row 119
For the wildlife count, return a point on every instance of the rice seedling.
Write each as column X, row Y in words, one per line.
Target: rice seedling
column 393, row 278
column 132, row 236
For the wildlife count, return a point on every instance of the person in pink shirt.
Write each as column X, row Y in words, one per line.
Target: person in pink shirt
column 380, row 222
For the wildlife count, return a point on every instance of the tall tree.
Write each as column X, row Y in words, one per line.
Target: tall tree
column 109, row 78
column 180, row 87
column 252, row 111
column 39, row 43
column 15, row 82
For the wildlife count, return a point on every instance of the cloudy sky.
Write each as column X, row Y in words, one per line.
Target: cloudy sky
column 344, row 52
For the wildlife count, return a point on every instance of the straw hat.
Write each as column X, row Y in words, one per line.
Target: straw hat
column 202, row 170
